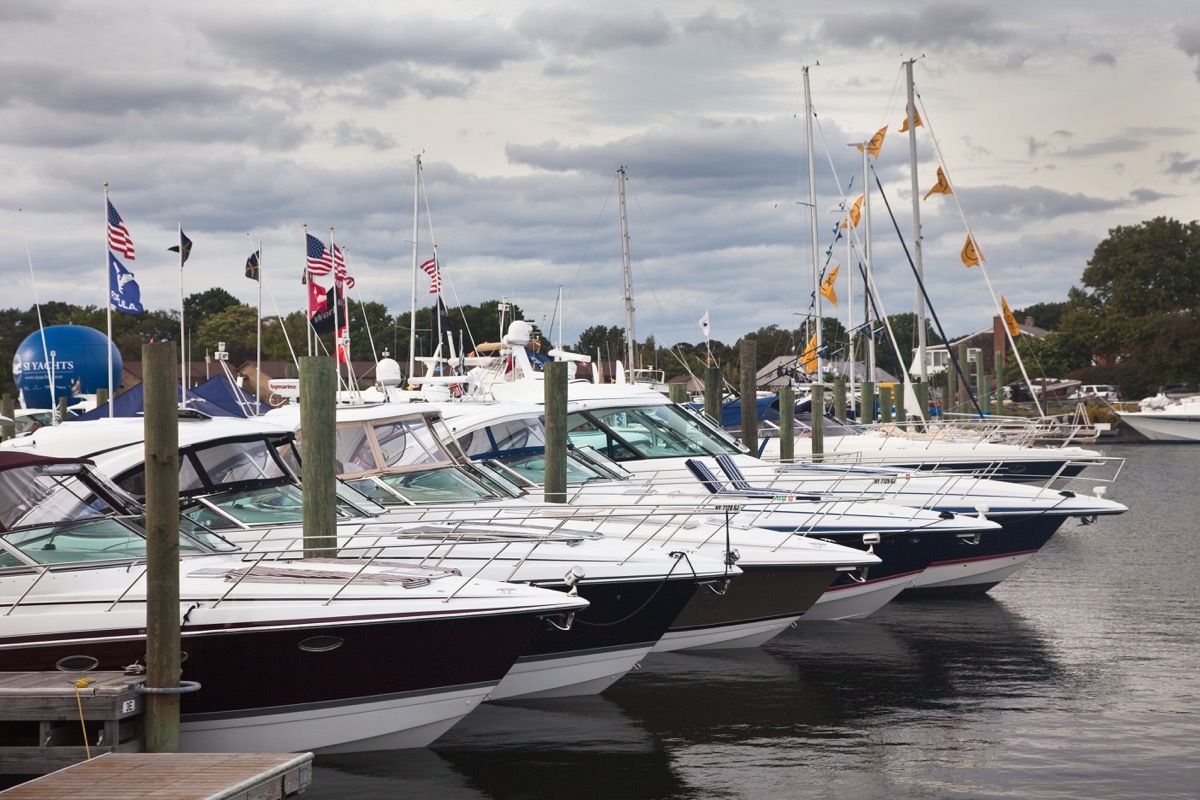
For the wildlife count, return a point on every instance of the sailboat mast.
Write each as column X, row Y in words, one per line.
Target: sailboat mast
column 630, row 340
column 916, row 215
column 412, row 313
column 868, row 317
column 812, row 216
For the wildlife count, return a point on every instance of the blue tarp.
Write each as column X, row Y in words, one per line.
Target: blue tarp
column 216, row 397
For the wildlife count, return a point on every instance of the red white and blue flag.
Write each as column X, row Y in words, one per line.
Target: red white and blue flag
column 340, row 275
column 435, row 275
column 319, row 261
column 119, row 240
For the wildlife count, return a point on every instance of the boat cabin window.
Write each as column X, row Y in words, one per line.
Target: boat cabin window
column 442, row 485
column 89, row 540
column 637, row 432
column 43, row 494
column 391, row 444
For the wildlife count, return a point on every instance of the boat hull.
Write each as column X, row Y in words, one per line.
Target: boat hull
column 1165, row 427
column 755, row 607
column 276, row 689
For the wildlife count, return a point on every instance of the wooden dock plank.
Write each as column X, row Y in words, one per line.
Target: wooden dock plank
column 178, row 776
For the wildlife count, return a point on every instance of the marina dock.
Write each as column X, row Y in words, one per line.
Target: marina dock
column 180, row 776
column 83, row 733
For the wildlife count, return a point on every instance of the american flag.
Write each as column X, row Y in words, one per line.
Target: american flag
column 319, row 261
column 435, row 275
column 118, row 234
column 340, row 275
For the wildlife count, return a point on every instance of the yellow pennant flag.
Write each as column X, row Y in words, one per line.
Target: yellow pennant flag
column 828, row 291
column 855, row 213
column 941, row 187
column 876, row 142
column 970, row 253
column 1010, row 321
column 916, row 119
column 808, row 359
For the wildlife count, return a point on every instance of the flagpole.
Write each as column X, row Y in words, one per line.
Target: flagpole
column 812, row 213
column 108, row 302
column 258, row 346
column 183, row 373
column 337, row 296
column 922, row 345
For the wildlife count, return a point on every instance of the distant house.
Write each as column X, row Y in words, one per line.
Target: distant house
column 786, row 370
column 983, row 344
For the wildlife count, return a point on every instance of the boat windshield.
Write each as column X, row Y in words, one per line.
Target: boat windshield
column 630, row 433
column 85, row 540
column 268, row 504
column 397, row 444
column 442, row 485
column 46, row 494
column 219, row 465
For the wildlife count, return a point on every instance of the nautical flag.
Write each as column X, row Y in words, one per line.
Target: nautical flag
column 876, row 142
column 124, row 294
column 319, row 261
column 435, row 275
column 1010, row 321
column 828, row 290
column 340, row 275
column 916, row 119
column 704, row 325
column 343, row 346
column 855, row 213
column 970, row 254
column 316, row 299
column 118, row 235
column 184, row 248
column 808, row 359
column 941, row 187
column 252, row 266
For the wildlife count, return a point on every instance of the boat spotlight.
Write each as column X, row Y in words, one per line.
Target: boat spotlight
column 870, row 540
column 574, row 575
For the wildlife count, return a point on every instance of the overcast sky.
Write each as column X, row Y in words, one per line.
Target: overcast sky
column 1054, row 122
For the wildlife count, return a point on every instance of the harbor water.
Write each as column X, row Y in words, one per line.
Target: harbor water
column 1075, row 678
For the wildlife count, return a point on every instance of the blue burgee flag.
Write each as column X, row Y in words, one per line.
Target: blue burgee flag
column 124, row 294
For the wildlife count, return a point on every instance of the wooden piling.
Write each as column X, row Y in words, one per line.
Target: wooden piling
column 867, row 407
column 898, row 399
column 318, row 423
column 712, row 393
column 160, row 376
column 7, row 409
column 749, row 395
column 677, row 393
column 885, row 404
column 787, row 424
column 555, row 385
column 818, row 422
column 839, row 398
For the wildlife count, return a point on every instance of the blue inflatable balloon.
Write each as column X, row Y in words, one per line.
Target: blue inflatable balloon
column 79, row 364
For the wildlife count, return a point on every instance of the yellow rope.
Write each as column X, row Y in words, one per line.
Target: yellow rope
column 83, row 683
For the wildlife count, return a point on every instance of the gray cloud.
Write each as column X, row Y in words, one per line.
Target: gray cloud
column 936, row 24
column 344, row 46
column 1103, row 60
column 745, row 30
column 1179, row 164
column 1187, row 36
column 570, row 30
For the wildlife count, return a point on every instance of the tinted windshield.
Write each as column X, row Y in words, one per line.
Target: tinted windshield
column 44, row 494
column 83, row 541
column 443, row 485
column 637, row 432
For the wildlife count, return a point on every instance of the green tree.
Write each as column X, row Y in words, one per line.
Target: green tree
column 236, row 327
column 200, row 306
column 1137, row 310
